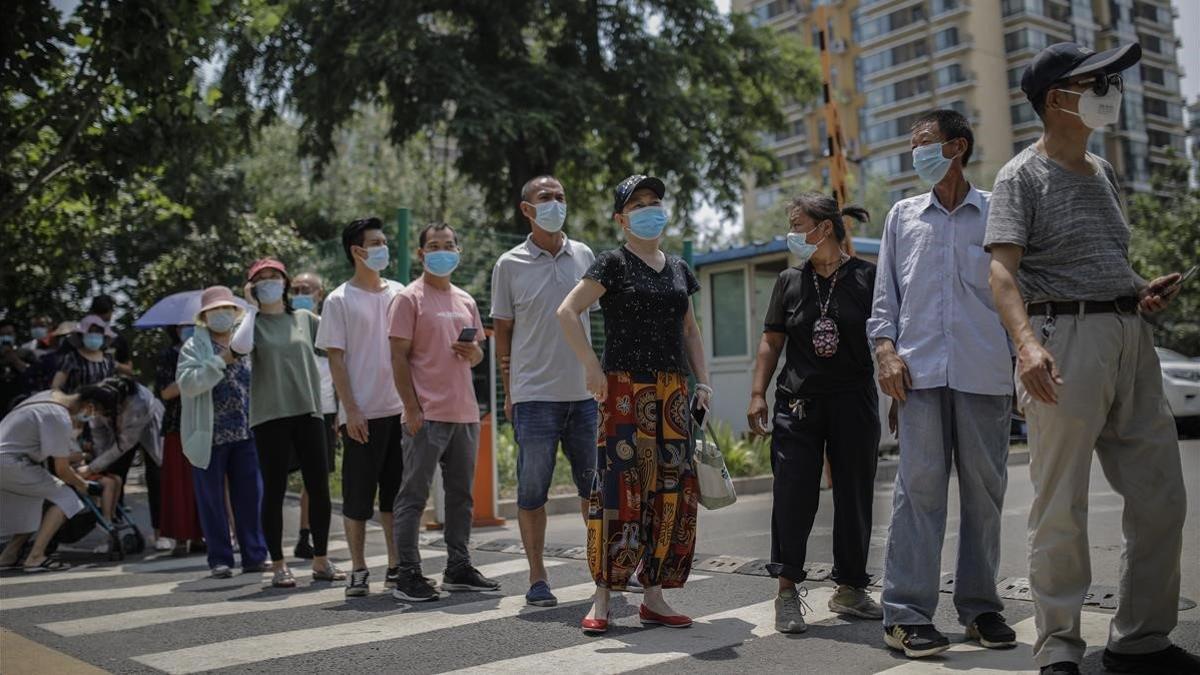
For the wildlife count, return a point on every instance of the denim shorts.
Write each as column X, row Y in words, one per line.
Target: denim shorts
column 539, row 427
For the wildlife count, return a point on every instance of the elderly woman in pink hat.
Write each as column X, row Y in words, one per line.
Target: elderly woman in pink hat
column 89, row 363
column 286, row 412
column 214, row 388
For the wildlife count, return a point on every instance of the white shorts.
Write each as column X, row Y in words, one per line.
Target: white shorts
column 24, row 487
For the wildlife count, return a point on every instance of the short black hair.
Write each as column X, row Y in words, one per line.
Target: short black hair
column 6, row 323
column 953, row 125
column 529, row 185
column 352, row 234
column 435, row 227
column 102, row 304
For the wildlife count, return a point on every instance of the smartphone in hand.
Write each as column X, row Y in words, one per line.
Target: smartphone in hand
column 468, row 334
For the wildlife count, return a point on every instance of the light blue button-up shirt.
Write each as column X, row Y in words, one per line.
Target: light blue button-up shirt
column 932, row 297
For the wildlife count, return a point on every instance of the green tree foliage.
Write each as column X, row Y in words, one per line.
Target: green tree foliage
column 590, row 91
column 1166, row 237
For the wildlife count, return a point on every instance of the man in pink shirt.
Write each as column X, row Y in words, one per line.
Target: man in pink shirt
column 435, row 333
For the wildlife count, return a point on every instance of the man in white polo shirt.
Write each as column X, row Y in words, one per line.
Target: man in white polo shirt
column 545, row 395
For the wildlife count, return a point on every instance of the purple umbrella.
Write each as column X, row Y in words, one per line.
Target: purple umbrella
column 175, row 310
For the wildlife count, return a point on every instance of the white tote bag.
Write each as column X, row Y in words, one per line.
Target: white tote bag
column 716, row 486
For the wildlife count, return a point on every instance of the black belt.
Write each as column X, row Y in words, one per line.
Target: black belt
column 1127, row 305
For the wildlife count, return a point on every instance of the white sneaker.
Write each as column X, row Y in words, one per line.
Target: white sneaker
column 164, row 544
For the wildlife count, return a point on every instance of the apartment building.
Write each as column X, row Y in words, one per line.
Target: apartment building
column 895, row 59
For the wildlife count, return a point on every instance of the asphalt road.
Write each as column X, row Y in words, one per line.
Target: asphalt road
column 162, row 614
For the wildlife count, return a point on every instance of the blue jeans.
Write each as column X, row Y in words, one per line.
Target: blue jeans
column 237, row 464
column 539, row 426
column 940, row 428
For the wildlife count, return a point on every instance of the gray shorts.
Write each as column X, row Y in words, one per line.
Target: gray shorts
column 24, row 487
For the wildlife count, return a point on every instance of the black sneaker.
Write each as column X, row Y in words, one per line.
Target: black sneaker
column 304, row 549
column 1060, row 668
column 1173, row 659
column 990, row 630
column 391, row 577
column 358, row 586
column 916, row 641
column 467, row 578
column 412, row 586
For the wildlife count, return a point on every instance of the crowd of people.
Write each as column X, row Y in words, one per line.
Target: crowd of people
column 976, row 297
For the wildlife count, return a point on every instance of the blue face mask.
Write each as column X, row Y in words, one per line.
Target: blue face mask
column 377, row 258
column 648, row 222
column 186, row 333
column 798, row 244
column 39, row 332
column 93, row 341
column 8, row 339
column 929, row 163
column 303, row 302
column 441, row 263
column 551, row 215
column 269, row 290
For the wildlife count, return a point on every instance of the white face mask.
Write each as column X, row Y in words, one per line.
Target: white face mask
column 1096, row 111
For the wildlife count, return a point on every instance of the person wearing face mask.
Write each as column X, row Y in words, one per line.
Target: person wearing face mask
column 214, row 383
column 354, row 332
column 825, row 406
column 944, row 360
column 545, row 391
column 36, row 433
column 435, row 331
column 88, row 363
column 308, row 292
column 1087, row 373
column 179, row 521
column 643, row 505
column 285, row 412
column 41, row 341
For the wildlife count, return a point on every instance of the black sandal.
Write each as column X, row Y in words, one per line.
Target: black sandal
column 47, row 565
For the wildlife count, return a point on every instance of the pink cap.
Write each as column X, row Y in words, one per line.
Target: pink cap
column 86, row 324
column 216, row 296
column 266, row 264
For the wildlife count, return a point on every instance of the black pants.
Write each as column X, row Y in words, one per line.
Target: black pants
column 376, row 466
column 276, row 440
column 845, row 427
column 152, row 482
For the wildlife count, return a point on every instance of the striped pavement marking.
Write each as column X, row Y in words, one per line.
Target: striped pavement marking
column 659, row 646
column 970, row 656
column 245, row 651
column 110, row 623
column 164, row 563
column 129, row 592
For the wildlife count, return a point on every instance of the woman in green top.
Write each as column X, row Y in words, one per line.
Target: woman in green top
column 285, row 412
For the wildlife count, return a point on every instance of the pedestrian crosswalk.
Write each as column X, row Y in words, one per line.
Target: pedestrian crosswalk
column 166, row 616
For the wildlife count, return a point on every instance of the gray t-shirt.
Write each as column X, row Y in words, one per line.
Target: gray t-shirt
column 528, row 285
column 1072, row 227
column 38, row 428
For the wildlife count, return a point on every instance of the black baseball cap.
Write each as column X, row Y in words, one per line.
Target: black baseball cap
column 1067, row 59
column 634, row 183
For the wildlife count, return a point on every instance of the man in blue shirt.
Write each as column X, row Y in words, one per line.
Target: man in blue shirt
column 944, row 357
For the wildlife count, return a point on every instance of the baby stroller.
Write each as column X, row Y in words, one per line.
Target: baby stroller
column 123, row 535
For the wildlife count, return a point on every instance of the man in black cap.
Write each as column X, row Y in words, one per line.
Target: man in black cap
column 1088, row 376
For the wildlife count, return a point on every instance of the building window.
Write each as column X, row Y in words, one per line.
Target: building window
column 1014, row 77
column 893, row 128
column 1144, row 10
column 895, row 56
column 1052, row 9
column 1026, row 38
column 796, row 160
column 889, row 23
column 766, row 11
column 898, row 91
column 1159, row 139
column 1022, row 113
column 943, row 6
column 766, row 198
column 1151, row 43
column 889, row 166
column 729, row 303
column 945, row 39
column 950, row 75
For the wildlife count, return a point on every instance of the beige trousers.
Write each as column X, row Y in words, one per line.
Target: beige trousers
column 1112, row 400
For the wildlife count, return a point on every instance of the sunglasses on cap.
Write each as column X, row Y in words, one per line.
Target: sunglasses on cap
column 1101, row 83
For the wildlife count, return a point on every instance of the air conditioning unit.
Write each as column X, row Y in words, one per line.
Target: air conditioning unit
column 838, row 46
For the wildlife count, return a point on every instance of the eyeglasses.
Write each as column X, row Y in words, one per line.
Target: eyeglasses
column 1100, row 83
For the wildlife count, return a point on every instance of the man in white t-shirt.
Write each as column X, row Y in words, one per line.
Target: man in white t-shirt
column 354, row 332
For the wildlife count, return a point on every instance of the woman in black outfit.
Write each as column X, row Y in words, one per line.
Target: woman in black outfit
column 825, row 405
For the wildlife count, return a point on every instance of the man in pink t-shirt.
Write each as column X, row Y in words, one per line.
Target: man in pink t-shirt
column 435, row 333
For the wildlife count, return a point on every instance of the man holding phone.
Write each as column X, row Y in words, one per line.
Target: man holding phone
column 354, row 334
column 546, row 396
column 435, row 333
column 1088, row 375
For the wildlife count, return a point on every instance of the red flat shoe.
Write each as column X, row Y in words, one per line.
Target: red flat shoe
column 595, row 626
column 650, row 618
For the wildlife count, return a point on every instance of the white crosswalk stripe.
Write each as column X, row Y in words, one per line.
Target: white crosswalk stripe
column 143, row 591
column 245, row 651
column 161, row 615
column 660, row 645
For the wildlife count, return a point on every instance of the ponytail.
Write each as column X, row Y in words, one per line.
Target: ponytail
column 821, row 207
column 108, row 395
